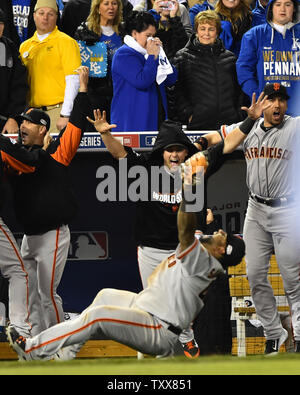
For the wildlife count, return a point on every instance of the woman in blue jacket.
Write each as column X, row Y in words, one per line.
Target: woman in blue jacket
column 270, row 53
column 140, row 72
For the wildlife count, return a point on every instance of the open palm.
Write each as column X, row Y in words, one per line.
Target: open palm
column 100, row 123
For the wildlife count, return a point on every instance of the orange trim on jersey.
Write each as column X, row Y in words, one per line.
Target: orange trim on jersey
column 68, row 145
column 223, row 131
column 172, row 260
column 23, row 269
column 92, row 323
column 184, row 253
column 16, row 164
column 53, row 275
column 172, row 264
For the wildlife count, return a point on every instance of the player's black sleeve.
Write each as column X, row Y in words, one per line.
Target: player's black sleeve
column 216, row 158
column 135, row 158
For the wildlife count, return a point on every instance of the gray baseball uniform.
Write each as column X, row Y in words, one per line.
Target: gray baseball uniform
column 12, row 268
column 44, row 258
column 272, row 220
column 150, row 321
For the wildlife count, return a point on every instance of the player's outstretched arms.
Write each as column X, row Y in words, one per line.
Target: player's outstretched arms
column 186, row 218
column 238, row 135
column 113, row 145
column 187, row 225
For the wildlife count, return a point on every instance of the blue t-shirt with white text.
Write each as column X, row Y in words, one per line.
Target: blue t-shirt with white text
column 21, row 11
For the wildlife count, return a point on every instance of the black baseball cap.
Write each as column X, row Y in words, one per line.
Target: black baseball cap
column 235, row 251
column 276, row 89
column 2, row 16
column 35, row 116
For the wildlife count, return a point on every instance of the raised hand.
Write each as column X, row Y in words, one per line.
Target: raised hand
column 100, row 123
column 257, row 108
column 83, row 73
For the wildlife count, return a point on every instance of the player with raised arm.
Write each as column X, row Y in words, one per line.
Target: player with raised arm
column 151, row 320
column 271, row 145
column 44, row 203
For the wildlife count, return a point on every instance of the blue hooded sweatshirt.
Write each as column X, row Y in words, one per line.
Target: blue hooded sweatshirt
column 268, row 56
column 259, row 14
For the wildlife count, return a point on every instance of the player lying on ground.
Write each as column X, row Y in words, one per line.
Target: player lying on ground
column 151, row 320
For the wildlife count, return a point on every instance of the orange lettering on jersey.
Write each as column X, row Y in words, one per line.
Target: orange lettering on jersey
column 267, row 152
column 279, row 153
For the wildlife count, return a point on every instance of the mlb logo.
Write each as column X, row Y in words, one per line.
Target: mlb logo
column 150, row 140
column 88, row 246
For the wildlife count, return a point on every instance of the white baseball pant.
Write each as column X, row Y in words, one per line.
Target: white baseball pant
column 12, row 268
column 44, row 258
column 112, row 316
column 269, row 229
column 148, row 259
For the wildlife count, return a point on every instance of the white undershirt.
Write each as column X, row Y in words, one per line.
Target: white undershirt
column 42, row 37
column 279, row 28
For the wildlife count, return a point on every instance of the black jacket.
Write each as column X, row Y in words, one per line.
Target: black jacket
column 156, row 218
column 207, row 86
column 44, row 198
column 13, row 82
column 14, row 157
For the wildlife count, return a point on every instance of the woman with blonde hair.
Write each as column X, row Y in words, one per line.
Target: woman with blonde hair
column 103, row 25
column 236, row 17
column 98, row 18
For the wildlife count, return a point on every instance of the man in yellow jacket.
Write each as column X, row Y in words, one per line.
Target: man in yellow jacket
column 51, row 58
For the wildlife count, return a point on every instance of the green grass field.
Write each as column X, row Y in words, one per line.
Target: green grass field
column 283, row 364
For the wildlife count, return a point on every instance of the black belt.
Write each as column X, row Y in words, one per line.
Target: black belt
column 175, row 329
column 272, row 202
column 48, row 108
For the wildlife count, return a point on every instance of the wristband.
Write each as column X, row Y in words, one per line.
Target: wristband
column 246, row 126
column 203, row 142
column 64, row 116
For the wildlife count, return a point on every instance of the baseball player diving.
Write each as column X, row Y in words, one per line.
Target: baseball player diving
column 152, row 320
column 271, row 146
